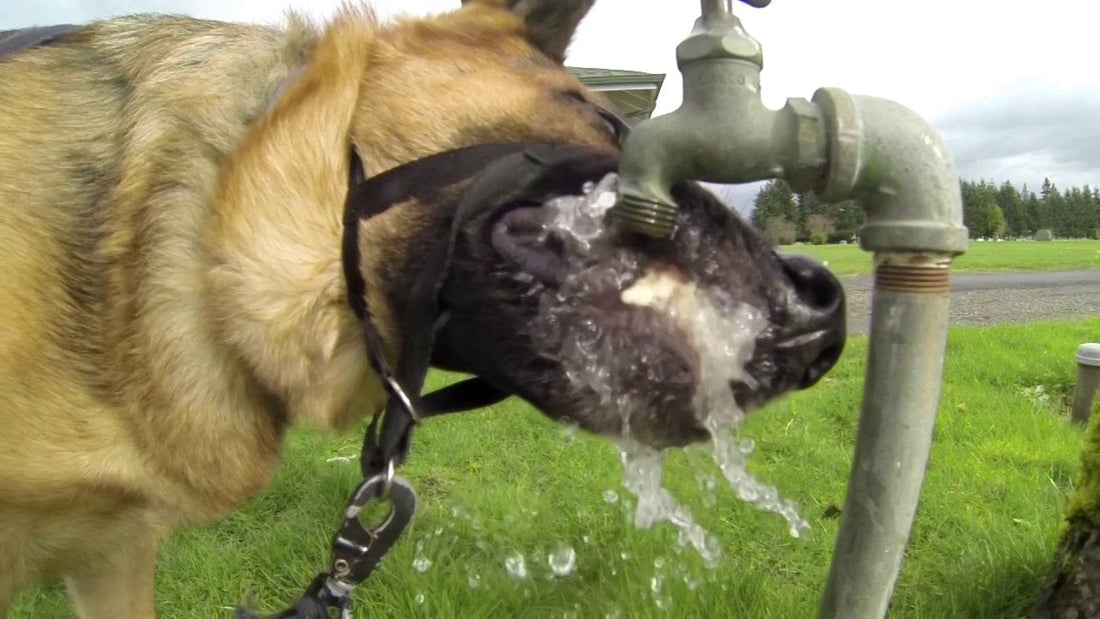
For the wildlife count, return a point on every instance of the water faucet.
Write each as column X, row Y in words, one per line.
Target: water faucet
column 722, row 132
column 902, row 175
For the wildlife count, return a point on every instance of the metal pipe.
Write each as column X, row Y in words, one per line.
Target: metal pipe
column 712, row 6
column 895, row 165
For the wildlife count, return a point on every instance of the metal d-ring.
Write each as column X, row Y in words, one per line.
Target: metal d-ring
column 387, row 483
column 406, row 401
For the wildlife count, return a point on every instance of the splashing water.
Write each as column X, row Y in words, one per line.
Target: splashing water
column 563, row 561
column 516, row 566
column 421, row 563
column 642, row 477
column 473, row 579
column 721, row 332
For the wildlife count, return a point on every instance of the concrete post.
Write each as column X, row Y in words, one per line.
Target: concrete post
column 1088, row 380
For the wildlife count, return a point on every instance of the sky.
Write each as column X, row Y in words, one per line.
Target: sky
column 1010, row 85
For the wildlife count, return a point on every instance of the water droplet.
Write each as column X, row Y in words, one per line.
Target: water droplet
column 660, row 596
column 473, row 579
column 610, row 496
column 586, row 539
column 516, row 566
column 569, row 433
column 421, row 564
column 419, row 598
column 438, row 531
column 624, row 555
column 659, row 562
column 562, row 561
column 692, row 582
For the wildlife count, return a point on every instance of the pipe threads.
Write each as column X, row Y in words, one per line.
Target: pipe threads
column 921, row 279
column 648, row 218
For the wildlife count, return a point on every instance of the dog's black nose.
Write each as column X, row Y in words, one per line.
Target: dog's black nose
column 820, row 317
column 816, row 286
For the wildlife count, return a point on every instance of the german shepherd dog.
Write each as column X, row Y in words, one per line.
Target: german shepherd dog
column 173, row 294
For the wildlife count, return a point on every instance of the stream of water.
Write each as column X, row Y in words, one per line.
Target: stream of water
column 722, row 333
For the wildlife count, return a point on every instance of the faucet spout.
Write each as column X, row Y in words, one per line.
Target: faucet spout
column 722, row 132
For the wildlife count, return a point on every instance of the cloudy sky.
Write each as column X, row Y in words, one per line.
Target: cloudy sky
column 1011, row 85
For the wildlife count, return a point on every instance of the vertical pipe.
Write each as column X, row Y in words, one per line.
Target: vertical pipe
column 909, row 319
column 715, row 6
column 1088, row 382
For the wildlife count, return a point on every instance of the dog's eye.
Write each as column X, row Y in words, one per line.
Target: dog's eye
column 618, row 125
column 615, row 125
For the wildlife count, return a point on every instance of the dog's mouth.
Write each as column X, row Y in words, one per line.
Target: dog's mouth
column 654, row 340
column 628, row 329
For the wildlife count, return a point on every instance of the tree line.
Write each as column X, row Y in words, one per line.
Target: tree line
column 989, row 211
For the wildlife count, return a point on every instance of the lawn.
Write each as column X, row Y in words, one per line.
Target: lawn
column 505, row 480
column 985, row 256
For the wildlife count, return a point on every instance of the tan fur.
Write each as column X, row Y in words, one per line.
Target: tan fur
column 171, row 194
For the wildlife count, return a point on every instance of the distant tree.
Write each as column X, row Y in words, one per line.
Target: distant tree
column 1036, row 214
column 981, row 214
column 779, row 230
column 819, row 228
column 809, row 205
column 1012, row 206
column 847, row 217
column 775, row 199
column 996, row 220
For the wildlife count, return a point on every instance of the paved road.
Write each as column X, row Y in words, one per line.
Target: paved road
column 993, row 298
column 1017, row 280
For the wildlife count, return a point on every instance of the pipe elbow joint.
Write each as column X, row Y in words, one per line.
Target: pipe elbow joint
column 898, row 168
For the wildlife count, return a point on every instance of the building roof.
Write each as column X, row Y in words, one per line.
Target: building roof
column 634, row 93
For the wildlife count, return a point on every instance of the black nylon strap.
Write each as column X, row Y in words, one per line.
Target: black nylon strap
column 368, row 198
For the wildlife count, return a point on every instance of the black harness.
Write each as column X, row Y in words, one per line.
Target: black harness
column 500, row 175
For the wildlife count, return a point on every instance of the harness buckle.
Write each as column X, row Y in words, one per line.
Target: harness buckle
column 357, row 549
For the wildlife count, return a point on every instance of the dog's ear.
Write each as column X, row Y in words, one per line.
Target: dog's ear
column 551, row 24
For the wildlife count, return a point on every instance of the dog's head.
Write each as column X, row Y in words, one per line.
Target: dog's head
column 546, row 298
column 529, row 310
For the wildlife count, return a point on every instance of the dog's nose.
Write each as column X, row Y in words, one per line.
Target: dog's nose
column 816, row 286
column 820, row 317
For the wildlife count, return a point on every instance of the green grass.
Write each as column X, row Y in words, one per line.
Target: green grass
column 1005, row 256
column 502, row 480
